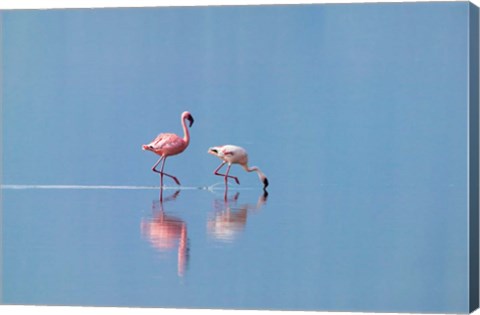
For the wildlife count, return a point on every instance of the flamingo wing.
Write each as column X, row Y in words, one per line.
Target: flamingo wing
column 167, row 142
column 160, row 141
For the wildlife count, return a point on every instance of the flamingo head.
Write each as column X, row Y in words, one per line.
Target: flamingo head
column 214, row 151
column 187, row 115
column 147, row 147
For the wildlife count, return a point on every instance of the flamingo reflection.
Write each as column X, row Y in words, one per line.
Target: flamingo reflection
column 166, row 232
column 229, row 218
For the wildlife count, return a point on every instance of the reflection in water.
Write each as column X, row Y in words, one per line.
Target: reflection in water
column 228, row 219
column 166, row 232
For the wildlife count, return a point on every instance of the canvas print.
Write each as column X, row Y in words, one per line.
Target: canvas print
column 279, row 157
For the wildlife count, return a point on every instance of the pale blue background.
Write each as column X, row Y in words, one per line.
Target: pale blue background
column 357, row 114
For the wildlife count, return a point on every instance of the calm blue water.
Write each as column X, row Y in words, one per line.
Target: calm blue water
column 356, row 113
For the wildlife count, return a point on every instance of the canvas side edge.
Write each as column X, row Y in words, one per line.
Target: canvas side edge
column 2, row 12
column 1, row 156
column 473, row 164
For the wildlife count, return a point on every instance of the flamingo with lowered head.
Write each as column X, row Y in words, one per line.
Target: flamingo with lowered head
column 169, row 144
column 232, row 154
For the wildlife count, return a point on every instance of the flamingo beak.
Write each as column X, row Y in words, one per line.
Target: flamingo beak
column 213, row 151
column 190, row 119
column 265, row 184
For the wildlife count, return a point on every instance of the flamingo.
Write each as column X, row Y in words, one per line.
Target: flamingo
column 232, row 154
column 169, row 144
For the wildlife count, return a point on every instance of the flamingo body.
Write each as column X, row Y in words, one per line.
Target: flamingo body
column 233, row 154
column 166, row 144
column 169, row 144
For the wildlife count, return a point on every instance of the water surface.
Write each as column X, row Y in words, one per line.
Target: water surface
column 356, row 113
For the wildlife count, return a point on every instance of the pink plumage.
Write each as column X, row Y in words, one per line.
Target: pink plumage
column 169, row 144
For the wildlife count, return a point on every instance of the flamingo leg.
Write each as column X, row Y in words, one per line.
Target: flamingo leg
column 161, row 172
column 161, row 175
column 225, row 175
column 156, row 164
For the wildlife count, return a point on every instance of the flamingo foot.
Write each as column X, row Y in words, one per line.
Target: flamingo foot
column 232, row 177
column 176, row 181
column 174, row 178
column 171, row 176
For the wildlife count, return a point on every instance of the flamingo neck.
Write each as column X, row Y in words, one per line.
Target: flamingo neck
column 186, row 133
column 261, row 176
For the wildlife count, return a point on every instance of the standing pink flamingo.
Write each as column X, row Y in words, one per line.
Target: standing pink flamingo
column 168, row 144
column 232, row 154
